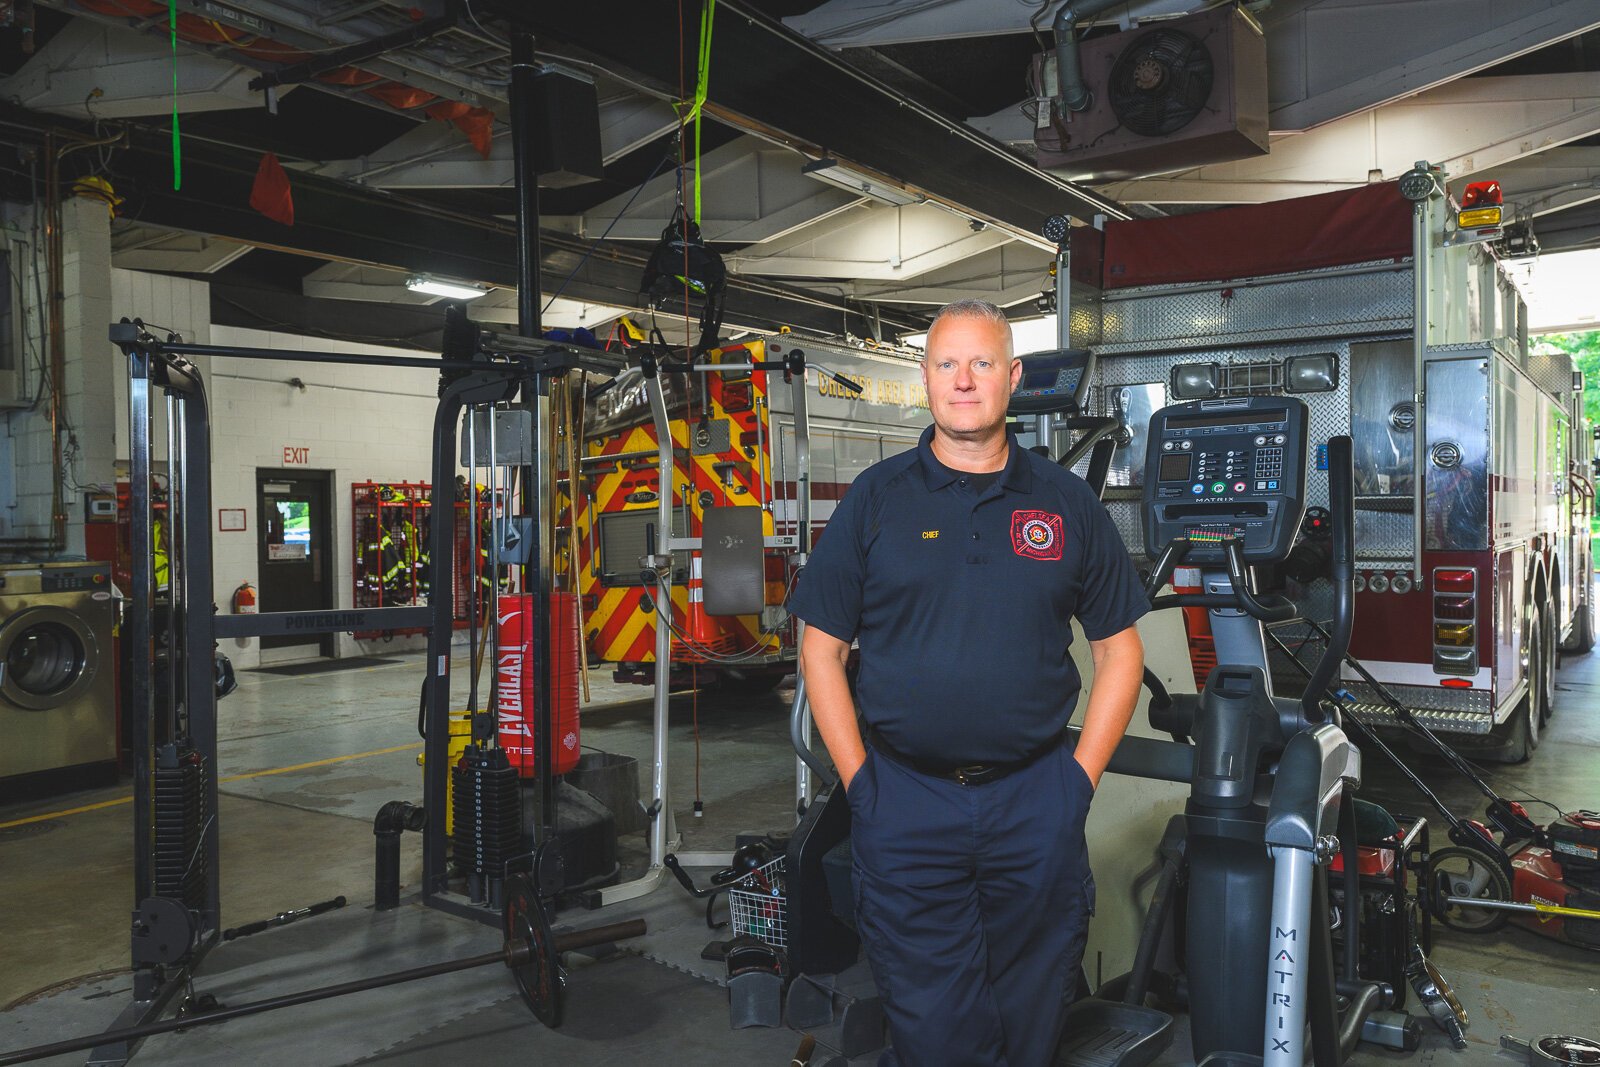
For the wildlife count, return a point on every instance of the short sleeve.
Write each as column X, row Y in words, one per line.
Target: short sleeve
column 1113, row 597
column 828, row 592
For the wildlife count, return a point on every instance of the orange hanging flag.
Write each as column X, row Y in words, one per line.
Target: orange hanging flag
column 478, row 125
column 270, row 194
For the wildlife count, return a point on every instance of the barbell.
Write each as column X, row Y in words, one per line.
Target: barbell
column 530, row 952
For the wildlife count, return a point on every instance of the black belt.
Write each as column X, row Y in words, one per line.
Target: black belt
column 968, row 774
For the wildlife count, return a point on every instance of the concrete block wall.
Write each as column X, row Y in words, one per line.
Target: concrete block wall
column 168, row 305
column 91, row 361
column 360, row 423
column 25, row 499
column 85, row 432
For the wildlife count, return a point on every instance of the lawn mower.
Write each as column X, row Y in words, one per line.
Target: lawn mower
column 1545, row 877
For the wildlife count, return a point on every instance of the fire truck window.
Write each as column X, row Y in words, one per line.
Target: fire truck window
column 824, row 450
column 736, row 393
column 854, row 453
column 893, row 446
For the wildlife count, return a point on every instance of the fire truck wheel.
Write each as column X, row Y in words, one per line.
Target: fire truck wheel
column 1583, row 627
column 1552, row 642
column 1528, row 719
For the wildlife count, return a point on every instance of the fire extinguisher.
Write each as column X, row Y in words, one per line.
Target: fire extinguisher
column 244, row 600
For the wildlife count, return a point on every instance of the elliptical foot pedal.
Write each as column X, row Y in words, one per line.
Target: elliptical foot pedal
column 1231, row 1059
column 1105, row 1033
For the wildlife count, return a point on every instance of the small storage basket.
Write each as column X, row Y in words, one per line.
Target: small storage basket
column 757, row 905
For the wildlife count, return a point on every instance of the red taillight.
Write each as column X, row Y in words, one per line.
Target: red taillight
column 1452, row 580
column 1481, row 194
column 1455, row 683
column 1453, row 607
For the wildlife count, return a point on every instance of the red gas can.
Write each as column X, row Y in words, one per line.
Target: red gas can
column 514, row 677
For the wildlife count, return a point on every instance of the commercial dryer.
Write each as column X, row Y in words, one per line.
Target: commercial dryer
column 58, row 715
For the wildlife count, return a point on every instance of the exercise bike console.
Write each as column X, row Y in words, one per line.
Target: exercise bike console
column 1053, row 383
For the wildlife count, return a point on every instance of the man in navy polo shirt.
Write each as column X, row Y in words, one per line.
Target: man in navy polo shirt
column 959, row 567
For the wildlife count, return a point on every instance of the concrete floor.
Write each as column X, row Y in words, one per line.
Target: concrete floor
column 307, row 760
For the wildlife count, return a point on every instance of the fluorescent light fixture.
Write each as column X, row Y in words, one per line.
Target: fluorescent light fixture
column 829, row 171
column 423, row 283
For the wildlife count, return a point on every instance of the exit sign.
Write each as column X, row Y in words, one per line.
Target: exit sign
column 292, row 455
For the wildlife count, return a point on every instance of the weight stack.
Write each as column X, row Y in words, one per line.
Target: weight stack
column 486, row 808
column 180, row 819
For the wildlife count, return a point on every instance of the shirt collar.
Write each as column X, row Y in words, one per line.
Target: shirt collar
column 1014, row 476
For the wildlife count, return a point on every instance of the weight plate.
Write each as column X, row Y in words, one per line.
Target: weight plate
column 539, row 974
column 1560, row 1048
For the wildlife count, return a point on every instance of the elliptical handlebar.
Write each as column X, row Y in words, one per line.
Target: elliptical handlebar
column 1341, row 502
column 1268, row 609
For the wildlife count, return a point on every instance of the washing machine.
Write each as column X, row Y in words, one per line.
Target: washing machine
column 58, row 711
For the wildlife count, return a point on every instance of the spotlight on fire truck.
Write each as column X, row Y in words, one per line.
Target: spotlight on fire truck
column 1316, row 373
column 1196, row 381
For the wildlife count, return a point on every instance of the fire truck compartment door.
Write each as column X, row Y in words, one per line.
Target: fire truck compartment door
column 1456, row 464
column 733, row 561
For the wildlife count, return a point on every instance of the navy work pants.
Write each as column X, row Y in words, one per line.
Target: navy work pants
column 973, row 903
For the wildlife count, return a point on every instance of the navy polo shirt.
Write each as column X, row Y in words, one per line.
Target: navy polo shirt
column 963, row 600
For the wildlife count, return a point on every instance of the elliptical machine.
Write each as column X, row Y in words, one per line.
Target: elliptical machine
column 1224, row 490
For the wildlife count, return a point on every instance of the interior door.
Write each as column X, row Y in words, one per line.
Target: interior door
column 295, row 548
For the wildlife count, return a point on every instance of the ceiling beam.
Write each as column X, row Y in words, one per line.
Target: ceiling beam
column 1549, row 182
column 869, row 23
column 1468, row 126
column 106, row 72
column 769, row 80
column 1331, row 58
column 433, row 156
column 752, row 192
column 1569, row 230
column 433, row 66
column 1004, row 276
column 338, row 221
column 871, row 242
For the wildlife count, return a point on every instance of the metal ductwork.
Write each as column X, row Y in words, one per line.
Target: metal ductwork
column 1069, row 72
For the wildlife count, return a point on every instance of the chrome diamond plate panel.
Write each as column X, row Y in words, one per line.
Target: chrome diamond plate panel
column 1455, row 722
column 1329, row 413
column 1340, row 302
column 1084, row 316
column 1552, row 372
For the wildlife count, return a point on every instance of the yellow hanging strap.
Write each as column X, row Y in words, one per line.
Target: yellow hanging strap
column 702, row 82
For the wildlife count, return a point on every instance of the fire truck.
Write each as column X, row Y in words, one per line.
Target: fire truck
column 741, row 438
column 1388, row 310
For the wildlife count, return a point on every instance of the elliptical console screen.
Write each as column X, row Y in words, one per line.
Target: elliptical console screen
column 1052, row 382
column 1226, row 468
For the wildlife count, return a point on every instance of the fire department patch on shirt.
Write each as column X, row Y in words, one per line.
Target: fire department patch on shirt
column 1036, row 534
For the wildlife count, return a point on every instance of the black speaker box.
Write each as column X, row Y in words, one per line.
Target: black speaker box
column 565, row 111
